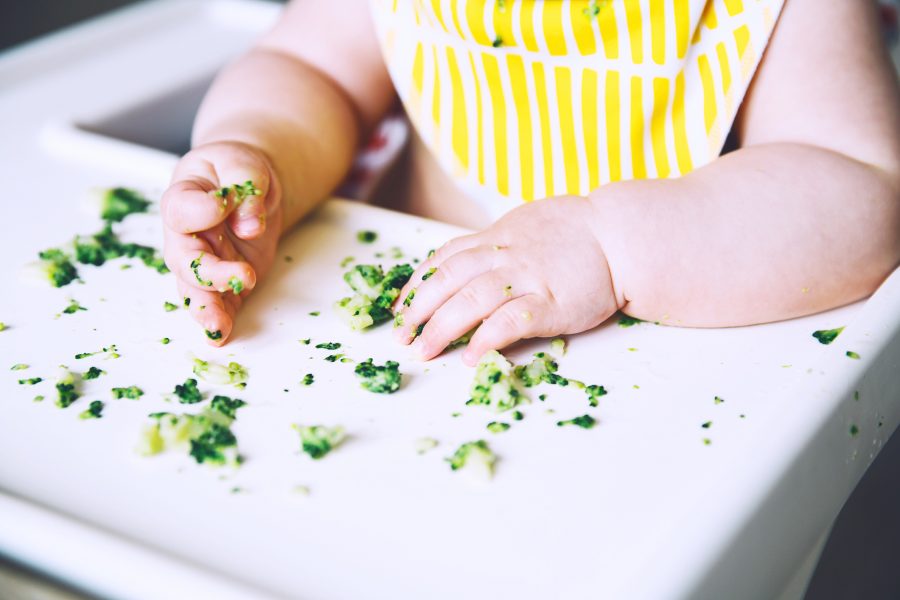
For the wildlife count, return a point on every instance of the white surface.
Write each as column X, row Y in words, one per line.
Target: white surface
column 638, row 507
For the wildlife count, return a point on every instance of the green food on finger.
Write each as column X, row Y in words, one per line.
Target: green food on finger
column 236, row 285
column 240, row 192
column 195, row 267
column 213, row 335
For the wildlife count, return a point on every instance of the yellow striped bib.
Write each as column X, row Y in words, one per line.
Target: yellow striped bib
column 522, row 99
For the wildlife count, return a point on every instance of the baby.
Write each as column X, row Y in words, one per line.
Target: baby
column 583, row 140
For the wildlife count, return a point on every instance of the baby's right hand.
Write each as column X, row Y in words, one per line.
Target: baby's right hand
column 218, row 245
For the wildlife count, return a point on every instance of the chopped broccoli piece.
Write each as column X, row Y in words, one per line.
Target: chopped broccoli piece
column 314, row 313
column 306, row 342
column 106, row 245
column 73, row 307
column 58, row 267
column 38, row 399
column 195, row 267
column 334, row 357
column 308, row 379
column 19, row 367
column 542, row 397
column 65, row 388
column 225, row 405
column 384, row 379
column 507, row 291
column 187, row 392
column 231, row 374
column 852, row 354
column 375, row 293
column 476, row 458
column 518, row 415
column 131, row 392
column 423, row 445
column 409, row 297
column 214, row 335
column 497, row 427
column 236, row 285
column 706, row 425
column 419, row 329
column 111, row 352
column 366, row 236
column 627, row 321
column 826, row 336
column 495, row 384
column 329, row 345
column 584, row 421
column 164, row 341
column 462, row 340
column 398, row 320
column 94, row 411
column 31, row 381
column 169, row 307
column 93, row 373
column 319, row 440
column 429, row 273
column 207, row 435
column 187, row 302
column 541, row 368
column 854, row 430
column 117, row 203
column 558, row 345
column 594, row 392
column 717, row 400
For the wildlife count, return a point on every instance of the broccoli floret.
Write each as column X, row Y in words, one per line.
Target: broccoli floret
column 73, row 307
column 375, row 293
column 94, row 411
column 476, row 458
column 826, row 336
column 383, row 379
column 169, row 307
column 187, row 392
column 594, row 392
column 65, row 388
column 93, row 373
column 423, row 445
column 541, row 368
column 206, row 436
column 308, row 379
column 117, row 203
column 319, row 440
column 231, row 374
column 214, row 335
column 31, row 381
column 495, row 384
column 329, row 345
column 227, row 406
column 105, row 245
column 497, row 427
column 366, row 236
column 131, row 392
column 584, row 421
column 58, row 267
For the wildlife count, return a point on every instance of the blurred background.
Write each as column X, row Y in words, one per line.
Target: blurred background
column 862, row 557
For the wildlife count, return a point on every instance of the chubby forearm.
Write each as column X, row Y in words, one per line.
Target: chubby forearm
column 291, row 112
column 765, row 233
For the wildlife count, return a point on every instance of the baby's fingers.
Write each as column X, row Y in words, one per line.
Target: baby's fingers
column 525, row 317
column 193, row 264
column 213, row 311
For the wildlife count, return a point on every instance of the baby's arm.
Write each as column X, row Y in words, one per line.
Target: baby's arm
column 289, row 116
column 804, row 217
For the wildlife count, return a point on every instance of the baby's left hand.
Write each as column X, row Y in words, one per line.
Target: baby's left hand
column 539, row 271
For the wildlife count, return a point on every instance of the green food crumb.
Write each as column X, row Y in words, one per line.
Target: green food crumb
column 226, row 406
column 495, row 384
column 241, row 192
column 594, row 392
column 187, row 392
column 195, row 267
column 3, row 326
column 106, row 245
column 419, row 329
column 73, row 307
column 18, row 367
column 94, row 411
column 498, row 41
column 334, row 357
column 366, row 236
column 475, row 457
column 306, row 342
column 717, row 400
column 214, row 335
column 852, row 354
column 308, row 379
column 236, row 285
column 409, row 297
column 375, row 293
column 707, row 441
column 854, row 430
column 117, row 203
column 38, row 399
column 187, row 302
column 379, row 379
column 584, row 421
column 497, row 427
column 314, row 313
column 329, row 345
column 826, row 336
column 231, row 374
column 398, row 320
column 429, row 273
column 93, row 373
column 169, row 307
column 558, row 345
column 627, row 321
column 65, row 389
column 206, row 436
column 319, row 440
column 165, row 341
column 706, row 425
column 593, row 9
column 131, row 392
column 346, row 261
column 57, row 267
column 31, row 381
column 542, row 397
column 423, row 445
column 518, row 415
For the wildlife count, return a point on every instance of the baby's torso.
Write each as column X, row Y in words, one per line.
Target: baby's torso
column 520, row 100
